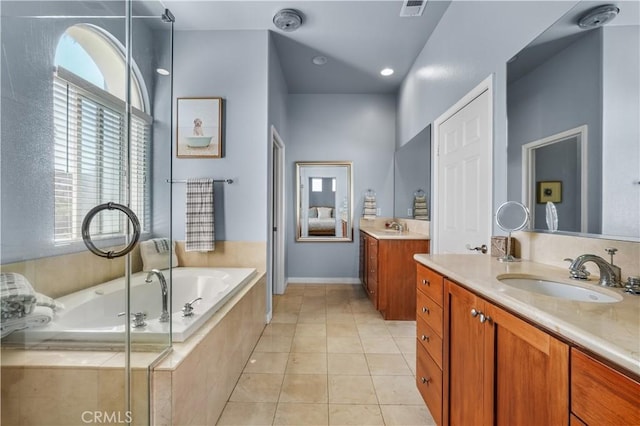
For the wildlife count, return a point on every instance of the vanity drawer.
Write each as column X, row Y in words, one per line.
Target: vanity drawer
column 429, row 312
column 430, row 283
column 429, row 383
column 430, row 340
column 601, row 395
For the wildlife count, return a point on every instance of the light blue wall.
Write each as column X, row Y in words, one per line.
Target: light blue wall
column 357, row 128
column 560, row 94
column 232, row 66
column 26, row 112
column 473, row 40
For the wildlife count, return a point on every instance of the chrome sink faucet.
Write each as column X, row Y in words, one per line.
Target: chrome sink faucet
column 610, row 274
column 164, row 317
column 397, row 226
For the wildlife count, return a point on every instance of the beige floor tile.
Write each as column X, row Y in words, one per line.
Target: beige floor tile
column 337, row 318
column 276, row 329
column 310, row 388
column 313, row 317
column 362, row 306
column 317, row 330
column 284, row 318
column 351, row 390
column 287, row 307
column 373, row 330
column 309, row 344
column 379, row 345
column 344, row 345
column 257, row 388
column 348, row 364
column 342, row 329
column 388, row 365
column 307, row 363
column 315, row 290
column 407, row 345
column 267, row 362
column 407, row 415
column 301, row 414
column 368, row 318
column 411, row 362
column 401, row 328
column 338, row 307
column 397, row 390
column 313, row 308
column 348, row 414
column 274, row 344
column 247, row 413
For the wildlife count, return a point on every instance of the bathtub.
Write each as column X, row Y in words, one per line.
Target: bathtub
column 91, row 315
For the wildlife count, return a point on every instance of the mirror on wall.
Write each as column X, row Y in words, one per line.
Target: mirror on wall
column 412, row 178
column 573, row 101
column 324, row 205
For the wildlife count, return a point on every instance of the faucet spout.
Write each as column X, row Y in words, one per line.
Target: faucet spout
column 610, row 275
column 164, row 317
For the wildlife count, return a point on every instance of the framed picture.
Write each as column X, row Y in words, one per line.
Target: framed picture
column 199, row 130
column 549, row 191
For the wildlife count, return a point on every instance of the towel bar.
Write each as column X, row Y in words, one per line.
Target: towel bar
column 229, row 181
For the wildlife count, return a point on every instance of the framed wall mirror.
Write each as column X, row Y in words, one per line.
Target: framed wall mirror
column 573, row 101
column 324, row 201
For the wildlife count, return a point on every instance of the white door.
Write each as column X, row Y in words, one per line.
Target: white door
column 463, row 190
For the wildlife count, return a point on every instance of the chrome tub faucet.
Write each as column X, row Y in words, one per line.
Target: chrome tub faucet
column 165, row 316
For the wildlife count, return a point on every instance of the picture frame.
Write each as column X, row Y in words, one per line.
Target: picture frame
column 549, row 191
column 199, row 127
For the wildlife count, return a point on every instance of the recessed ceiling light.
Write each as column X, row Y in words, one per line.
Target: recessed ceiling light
column 386, row 72
column 162, row 71
column 319, row 60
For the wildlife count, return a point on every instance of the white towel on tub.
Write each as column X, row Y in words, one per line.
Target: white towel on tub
column 199, row 226
column 40, row 316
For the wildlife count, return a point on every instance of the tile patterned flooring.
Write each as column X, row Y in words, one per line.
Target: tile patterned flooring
column 328, row 358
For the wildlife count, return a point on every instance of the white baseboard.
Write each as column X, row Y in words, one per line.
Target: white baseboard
column 321, row 280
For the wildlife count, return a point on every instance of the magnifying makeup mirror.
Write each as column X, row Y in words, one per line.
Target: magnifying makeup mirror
column 511, row 216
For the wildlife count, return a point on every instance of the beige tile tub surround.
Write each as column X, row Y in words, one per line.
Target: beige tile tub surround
column 58, row 276
column 551, row 249
column 240, row 254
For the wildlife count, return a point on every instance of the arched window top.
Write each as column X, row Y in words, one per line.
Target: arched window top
column 94, row 55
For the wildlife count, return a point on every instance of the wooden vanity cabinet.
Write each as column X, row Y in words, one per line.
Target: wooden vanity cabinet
column 388, row 274
column 601, row 395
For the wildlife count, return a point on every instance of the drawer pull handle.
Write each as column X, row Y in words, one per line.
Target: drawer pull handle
column 426, row 282
column 425, row 381
column 425, row 338
column 425, row 310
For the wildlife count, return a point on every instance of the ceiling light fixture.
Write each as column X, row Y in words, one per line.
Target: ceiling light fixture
column 598, row 17
column 288, row 19
column 319, row 60
column 387, row 72
column 162, row 71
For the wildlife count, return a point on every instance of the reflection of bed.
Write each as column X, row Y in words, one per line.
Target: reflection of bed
column 322, row 222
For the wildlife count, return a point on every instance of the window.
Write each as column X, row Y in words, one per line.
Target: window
column 316, row 184
column 90, row 146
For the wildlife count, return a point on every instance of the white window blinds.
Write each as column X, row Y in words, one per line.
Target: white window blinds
column 91, row 156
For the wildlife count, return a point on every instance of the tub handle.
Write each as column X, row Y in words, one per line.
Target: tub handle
column 86, row 223
column 137, row 319
column 187, row 310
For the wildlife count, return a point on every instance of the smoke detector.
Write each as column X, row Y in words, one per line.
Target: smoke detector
column 412, row 8
column 288, row 20
column 598, row 16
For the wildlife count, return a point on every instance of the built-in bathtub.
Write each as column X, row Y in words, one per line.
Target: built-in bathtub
column 92, row 315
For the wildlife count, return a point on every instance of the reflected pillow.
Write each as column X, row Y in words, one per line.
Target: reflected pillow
column 325, row 212
column 313, row 212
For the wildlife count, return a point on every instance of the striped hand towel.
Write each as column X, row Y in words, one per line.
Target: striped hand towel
column 17, row 296
column 199, row 229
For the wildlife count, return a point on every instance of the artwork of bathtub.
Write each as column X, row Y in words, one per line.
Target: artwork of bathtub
column 92, row 315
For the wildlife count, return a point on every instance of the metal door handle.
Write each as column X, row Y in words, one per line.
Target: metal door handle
column 86, row 223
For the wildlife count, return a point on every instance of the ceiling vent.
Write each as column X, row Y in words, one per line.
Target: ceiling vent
column 413, row 8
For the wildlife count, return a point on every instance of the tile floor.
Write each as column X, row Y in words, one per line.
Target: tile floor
column 328, row 358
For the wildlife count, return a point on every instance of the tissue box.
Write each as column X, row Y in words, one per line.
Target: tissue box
column 499, row 246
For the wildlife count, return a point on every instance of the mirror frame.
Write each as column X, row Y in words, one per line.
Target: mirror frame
column 313, row 239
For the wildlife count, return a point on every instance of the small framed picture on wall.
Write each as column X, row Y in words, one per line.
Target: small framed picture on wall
column 199, row 130
column 549, row 191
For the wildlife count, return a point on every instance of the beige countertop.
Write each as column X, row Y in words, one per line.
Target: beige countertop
column 611, row 330
column 388, row 234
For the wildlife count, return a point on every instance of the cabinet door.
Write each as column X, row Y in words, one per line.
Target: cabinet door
column 530, row 372
column 464, row 349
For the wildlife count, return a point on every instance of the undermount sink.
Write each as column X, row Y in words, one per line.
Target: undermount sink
column 560, row 290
